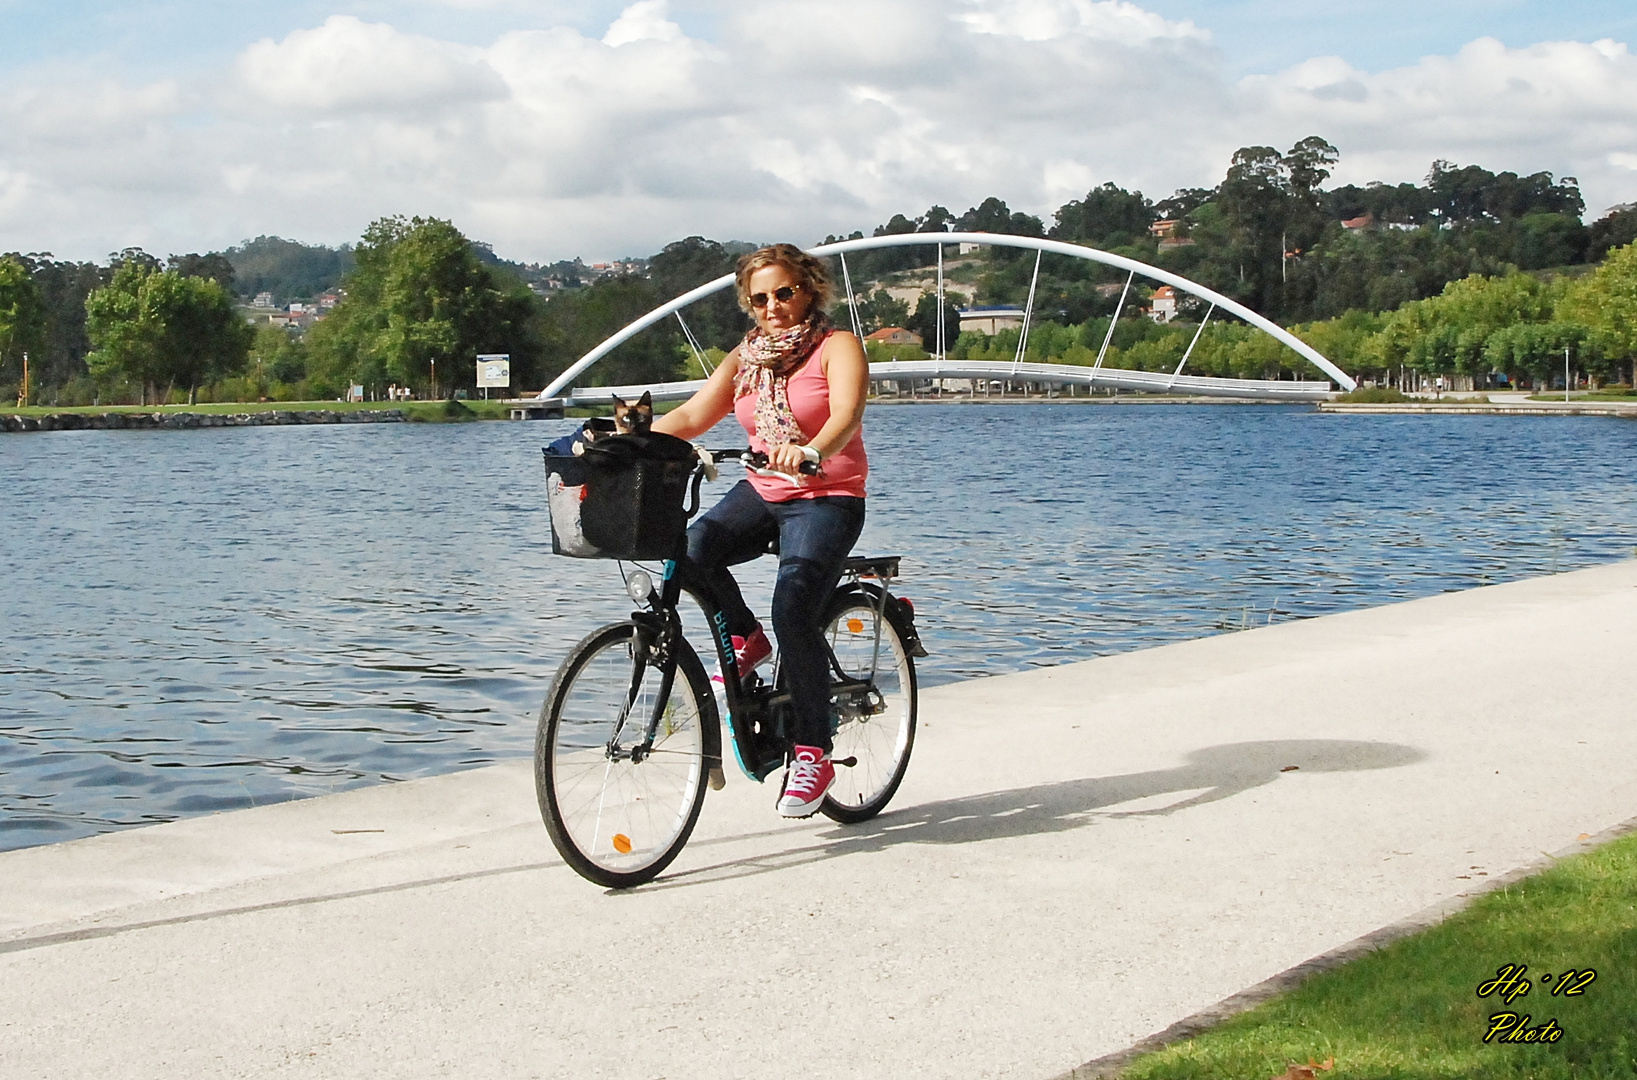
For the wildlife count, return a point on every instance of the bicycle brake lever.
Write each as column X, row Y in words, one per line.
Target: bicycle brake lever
column 707, row 462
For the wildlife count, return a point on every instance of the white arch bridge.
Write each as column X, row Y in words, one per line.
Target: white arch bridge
column 1093, row 376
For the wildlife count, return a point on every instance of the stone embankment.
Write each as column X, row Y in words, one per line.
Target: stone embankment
column 1430, row 409
column 181, row 421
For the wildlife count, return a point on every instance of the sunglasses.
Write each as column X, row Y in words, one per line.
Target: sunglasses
column 784, row 294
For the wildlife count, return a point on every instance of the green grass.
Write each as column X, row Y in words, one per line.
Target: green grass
column 1611, row 394
column 433, row 411
column 1373, row 395
column 1411, row 1011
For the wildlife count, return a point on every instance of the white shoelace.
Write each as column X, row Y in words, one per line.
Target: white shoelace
column 804, row 775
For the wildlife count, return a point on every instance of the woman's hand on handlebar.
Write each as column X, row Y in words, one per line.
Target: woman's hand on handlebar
column 757, row 461
column 789, row 459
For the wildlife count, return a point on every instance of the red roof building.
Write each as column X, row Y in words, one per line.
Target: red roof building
column 895, row 335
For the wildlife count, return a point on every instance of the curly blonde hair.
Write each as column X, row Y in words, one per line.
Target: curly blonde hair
column 806, row 269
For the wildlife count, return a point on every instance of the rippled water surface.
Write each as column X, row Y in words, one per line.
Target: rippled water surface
column 203, row 620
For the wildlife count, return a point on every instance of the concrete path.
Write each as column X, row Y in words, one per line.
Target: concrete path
column 1080, row 857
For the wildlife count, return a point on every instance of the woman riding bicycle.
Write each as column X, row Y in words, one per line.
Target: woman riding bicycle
column 798, row 386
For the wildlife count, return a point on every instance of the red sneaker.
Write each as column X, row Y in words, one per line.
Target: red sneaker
column 752, row 651
column 810, row 775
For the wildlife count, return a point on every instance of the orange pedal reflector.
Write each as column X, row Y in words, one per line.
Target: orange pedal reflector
column 855, row 625
column 622, row 843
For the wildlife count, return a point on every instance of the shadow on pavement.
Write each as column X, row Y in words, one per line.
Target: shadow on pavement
column 1208, row 775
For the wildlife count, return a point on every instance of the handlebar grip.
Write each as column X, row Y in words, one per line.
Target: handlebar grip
column 755, row 459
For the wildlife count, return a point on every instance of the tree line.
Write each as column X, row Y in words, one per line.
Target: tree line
column 1393, row 289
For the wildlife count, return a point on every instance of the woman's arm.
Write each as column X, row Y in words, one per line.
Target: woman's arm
column 848, row 375
column 708, row 405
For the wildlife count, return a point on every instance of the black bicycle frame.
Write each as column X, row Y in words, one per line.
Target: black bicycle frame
column 754, row 711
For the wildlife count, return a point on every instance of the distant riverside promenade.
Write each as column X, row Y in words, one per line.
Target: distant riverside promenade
column 145, row 421
column 1497, row 404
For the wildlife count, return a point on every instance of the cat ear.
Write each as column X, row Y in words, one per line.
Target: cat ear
column 647, row 399
column 619, row 402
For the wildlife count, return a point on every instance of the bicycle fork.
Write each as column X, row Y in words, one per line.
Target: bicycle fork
column 651, row 646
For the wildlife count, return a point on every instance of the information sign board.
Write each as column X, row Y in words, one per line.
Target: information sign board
column 494, row 369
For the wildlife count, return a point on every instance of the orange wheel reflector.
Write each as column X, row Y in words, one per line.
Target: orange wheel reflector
column 855, row 625
column 622, row 843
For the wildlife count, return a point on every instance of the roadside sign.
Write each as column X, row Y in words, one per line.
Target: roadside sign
column 494, row 369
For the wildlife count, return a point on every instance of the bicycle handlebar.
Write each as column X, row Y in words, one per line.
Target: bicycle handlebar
column 755, row 459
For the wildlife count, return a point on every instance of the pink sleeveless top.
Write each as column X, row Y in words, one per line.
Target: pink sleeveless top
column 809, row 392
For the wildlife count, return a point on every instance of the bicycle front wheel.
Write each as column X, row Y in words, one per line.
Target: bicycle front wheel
column 876, row 727
column 619, row 815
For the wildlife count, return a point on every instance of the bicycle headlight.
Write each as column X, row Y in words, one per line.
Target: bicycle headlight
column 638, row 586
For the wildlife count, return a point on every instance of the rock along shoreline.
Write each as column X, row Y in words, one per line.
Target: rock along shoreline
column 180, row 421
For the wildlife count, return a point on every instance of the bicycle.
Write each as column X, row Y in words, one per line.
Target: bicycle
column 630, row 735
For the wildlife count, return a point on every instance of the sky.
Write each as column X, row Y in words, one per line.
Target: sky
column 553, row 129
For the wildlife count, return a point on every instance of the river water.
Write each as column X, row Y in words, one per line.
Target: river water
column 205, row 620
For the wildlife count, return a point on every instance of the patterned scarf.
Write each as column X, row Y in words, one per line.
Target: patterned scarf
column 766, row 362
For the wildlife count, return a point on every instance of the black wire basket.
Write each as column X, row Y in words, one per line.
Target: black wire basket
column 621, row 497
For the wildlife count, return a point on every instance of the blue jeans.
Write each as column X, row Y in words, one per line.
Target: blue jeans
column 814, row 538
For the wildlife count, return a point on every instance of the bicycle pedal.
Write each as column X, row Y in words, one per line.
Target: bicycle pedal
column 847, row 761
column 718, row 780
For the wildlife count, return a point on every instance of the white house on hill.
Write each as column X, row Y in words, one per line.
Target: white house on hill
column 988, row 320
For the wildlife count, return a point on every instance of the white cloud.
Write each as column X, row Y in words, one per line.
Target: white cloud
column 1104, row 20
column 1561, row 106
column 349, row 65
column 793, row 120
column 644, row 21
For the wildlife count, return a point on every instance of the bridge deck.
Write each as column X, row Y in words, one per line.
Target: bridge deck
column 1055, row 375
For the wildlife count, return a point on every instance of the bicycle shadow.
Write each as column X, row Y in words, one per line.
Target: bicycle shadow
column 1213, row 772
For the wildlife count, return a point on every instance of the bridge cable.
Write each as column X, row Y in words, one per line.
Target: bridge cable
column 852, row 301
column 1028, row 310
column 1190, row 350
column 939, row 336
column 694, row 345
column 1108, row 337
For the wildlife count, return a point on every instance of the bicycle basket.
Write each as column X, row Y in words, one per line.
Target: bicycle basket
column 622, row 498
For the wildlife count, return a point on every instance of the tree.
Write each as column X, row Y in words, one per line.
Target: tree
column 1108, row 217
column 22, row 316
column 123, row 336
column 1606, row 304
column 419, row 309
column 1307, row 164
column 574, row 323
column 60, row 359
column 286, row 268
column 214, row 266
column 880, row 309
column 716, row 321
column 924, row 320
column 1615, row 229
column 277, row 356
column 158, row 328
column 993, row 215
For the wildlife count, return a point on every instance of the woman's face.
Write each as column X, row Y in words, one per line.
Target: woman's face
column 776, row 314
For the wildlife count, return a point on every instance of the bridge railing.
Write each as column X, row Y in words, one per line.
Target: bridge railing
column 1104, row 378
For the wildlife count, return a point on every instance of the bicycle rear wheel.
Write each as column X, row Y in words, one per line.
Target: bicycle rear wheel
column 617, row 818
column 877, row 729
